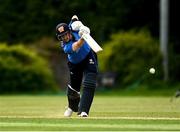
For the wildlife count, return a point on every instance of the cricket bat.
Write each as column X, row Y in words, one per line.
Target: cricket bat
column 76, row 24
column 91, row 42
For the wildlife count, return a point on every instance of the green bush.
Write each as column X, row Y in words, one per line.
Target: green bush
column 22, row 70
column 130, row 55
column 174, row 64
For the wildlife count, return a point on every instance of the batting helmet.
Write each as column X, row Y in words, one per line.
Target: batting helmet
column 61, row 29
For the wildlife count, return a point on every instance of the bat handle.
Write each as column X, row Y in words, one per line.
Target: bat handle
column 74, row 18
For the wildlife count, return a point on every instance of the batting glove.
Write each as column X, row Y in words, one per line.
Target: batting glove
column 76, row 25
column 83, row 29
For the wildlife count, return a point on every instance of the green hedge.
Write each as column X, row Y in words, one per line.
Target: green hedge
column 130, row 55
column 174, row 64
column 22, row 70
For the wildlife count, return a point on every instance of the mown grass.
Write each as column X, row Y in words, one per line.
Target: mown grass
column 108, row 113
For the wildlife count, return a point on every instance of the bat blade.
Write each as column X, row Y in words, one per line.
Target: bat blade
column 91, row 42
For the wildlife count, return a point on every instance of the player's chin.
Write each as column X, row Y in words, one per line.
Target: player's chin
column 66, row 40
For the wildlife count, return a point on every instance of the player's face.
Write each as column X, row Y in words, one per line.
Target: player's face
column 66, row 37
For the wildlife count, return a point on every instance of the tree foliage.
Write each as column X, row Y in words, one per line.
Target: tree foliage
column 28, row 20
column 22, row 70
column 131, row 54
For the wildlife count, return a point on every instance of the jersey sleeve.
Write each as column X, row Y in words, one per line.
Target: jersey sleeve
column 68, row 49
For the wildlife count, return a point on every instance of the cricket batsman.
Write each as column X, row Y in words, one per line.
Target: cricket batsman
column 82, row 64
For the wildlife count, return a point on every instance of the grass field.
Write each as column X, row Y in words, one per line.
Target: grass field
column 108, row 113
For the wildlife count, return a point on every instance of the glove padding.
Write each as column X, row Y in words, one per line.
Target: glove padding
column 83, row 29
column 76, row 25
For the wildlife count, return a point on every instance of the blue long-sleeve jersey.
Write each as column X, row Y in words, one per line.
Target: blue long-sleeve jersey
column 78, row 55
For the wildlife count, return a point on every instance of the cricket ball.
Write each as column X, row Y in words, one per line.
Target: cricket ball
column 152, row 70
